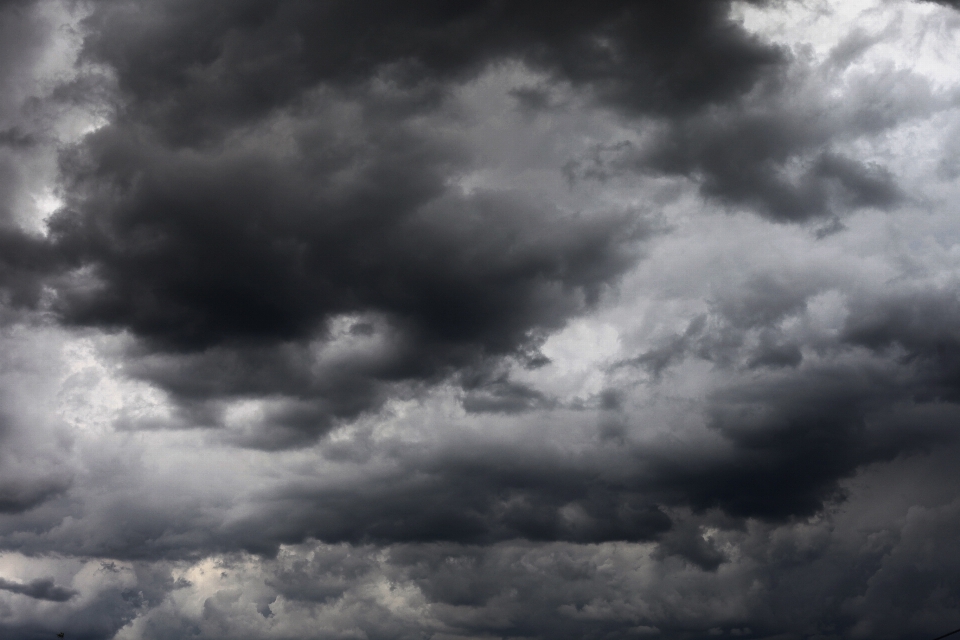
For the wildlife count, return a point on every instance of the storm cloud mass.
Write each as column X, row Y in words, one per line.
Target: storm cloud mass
column 329, row 319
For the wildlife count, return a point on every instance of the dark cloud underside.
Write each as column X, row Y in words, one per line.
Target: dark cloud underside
column 40, row 589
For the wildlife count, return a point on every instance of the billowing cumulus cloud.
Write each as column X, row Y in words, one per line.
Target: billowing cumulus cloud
column 390, row 320
column 294, row 164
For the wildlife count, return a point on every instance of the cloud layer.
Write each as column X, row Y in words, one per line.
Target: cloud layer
column 389, row 320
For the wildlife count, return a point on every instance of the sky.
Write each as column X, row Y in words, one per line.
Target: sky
column 357, row 320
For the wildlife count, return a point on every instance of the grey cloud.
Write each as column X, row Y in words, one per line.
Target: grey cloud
column 479, row 498
column 245, row 58
column 17, row 138
column 721, row 336
column 184, row 227
column 483, row 494
column 102, row 606
column 17, row 496
column 784, row 448
column 190, row 223
column 798, row 429
column 25, row 262
column 856, row 43
column 491, row 391
column 772, row 353
column 776, row 150
column 746, row 162
column 237, row 260
column 787, row 432
column 795, row 438
column 39, row 589
column 914, row 573
column 280, row 212
column 917, row 328
column 26, row 33
column 834, row 573
column 918, row 320
column 828, row 575
column 503, row 396
column 657, row 360
column 686, row 540
column 324, row 577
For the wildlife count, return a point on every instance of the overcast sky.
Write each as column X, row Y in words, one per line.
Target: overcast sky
column 412, row 319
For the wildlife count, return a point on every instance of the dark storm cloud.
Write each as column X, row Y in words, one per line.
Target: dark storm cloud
column 792, row 429
column 192, row 224
column 796, row 437
column 777, row 149
column 206, row 251
column 268, row 175
column 919, row 328
column 276, row 213
column 194, row 69
column 776, row 162
column 793, row 437
column 782, row 450
column 488, row 390
column 482, row 496
column 782, row 436
column 25, row 262
column 475, row 499
column 17, row 496
column 242, row 59
column 834, row 575
column 231, row 265
column 39, row 589
column 17, row 138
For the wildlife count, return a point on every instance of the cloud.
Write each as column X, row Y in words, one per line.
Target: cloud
column 257, row 187
column 777, row 576
column 397, row 320
column 917, row 327
column 206, row 232
column 436, row 280
column 17, row 496
column 245, row 58
column 39, row 589
column 775, row 151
